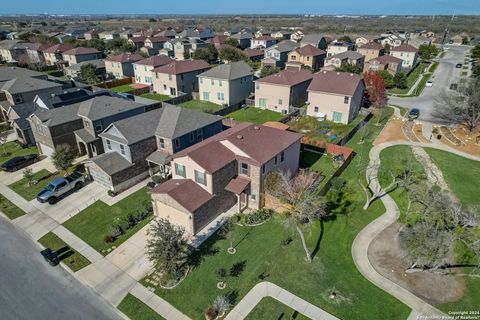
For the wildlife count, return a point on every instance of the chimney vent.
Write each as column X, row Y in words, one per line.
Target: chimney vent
column 239, row 137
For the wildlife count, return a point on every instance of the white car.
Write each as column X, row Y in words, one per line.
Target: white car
column 429, row 83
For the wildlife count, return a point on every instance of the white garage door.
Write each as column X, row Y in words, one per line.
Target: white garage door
column 45, row 150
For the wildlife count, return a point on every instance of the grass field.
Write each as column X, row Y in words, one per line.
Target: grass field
column 30, row 192
column 323, row 164
column 155, row 96
column 269, row 308
column 202, row 106
column 254, row 115
column 95, row 222
column 122, row 89
column 137, row 310
column 74, row 260
column 10, row 209
column 13, row 149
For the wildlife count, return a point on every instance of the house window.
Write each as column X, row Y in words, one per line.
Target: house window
column 280, row 102
column 253, row 194
column 244, row 168
column 337, row 116
column 122, row 149
column 177, row 143
column 181, row 76
column 315, row 109
column 257, row 85
column 282, row 156
column 192, row 137
column 206, row 96
column 200, row 178
column 262, row 103
column 199, row 134
column 144, row 68
column 346, row 99
column 220, row 82
column 170, row 77
column 156, row 75
column 86, row 123
column 293, row 58
column 275, row 160
column 161, row 142
column 180, row 170
column 109, row 145
column 201, row 80
column 165, row 87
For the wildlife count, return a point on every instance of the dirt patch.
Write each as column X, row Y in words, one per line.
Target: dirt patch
column 417, row 130
column 468, row 139
column 434, row 174
column 391, row 132
column 385, row 256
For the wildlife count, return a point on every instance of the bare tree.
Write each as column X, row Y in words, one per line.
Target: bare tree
column 462, row 107
column 301, row 196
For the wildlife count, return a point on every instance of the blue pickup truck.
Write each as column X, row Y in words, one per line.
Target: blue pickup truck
column 60, row 186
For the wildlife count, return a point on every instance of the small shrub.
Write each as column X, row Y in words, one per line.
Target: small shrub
column 210, row 313
column 111, row 193
column 109, row 238
column 116, row 231
column 258, row 216
column 157, row 179
column 287, row 241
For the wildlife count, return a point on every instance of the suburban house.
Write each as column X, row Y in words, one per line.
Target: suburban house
column 75, row 70
column 222, row 172
column 253, row 54
column 92, row 34
column 277, row 55
column 385, row 62
column 80, row 54
column 338, row 47
column 53, row 54
column 108, row 35
column 406, row 52
column 244, row 39
column 390, row 39
column 280, row 91
column 345, row 58
column 335, row 96
column 262, row 42
column 143, row 144
column 137, row 42
column 12, row 50
column 360, row 41
column 281, row 35
column 143, row 69
column 121, row 65
column 226, row 84
column 315, row 40
column 35, row 53
column 178, row 77
column 217, row 41
column 262, row 32
column 371, row 50
column 307, row 55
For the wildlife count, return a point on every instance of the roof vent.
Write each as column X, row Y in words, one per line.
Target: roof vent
column 256, row 128
column 338, row 73
column 351, row 74
column 239, row 137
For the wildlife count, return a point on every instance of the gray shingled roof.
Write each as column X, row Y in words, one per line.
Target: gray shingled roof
column 9, row 73
column 14, row 44
column 284, row 46
column 58, row 116
column 111, row 162
column 23, row 110
column 27, row 84
column 229, row 71
column 353, row 55
column 104, row 106
column 177, row 121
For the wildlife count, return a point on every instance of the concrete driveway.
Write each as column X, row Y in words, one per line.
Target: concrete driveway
column 443, row 77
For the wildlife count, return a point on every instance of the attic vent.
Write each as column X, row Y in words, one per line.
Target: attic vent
column 324, row 72
column 256, row 128
column 351, row 74
column 239, row 137
column 338, row 73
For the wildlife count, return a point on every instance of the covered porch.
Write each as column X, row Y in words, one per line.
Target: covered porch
column 239, row 187
column 88, row 144
column 159, row 163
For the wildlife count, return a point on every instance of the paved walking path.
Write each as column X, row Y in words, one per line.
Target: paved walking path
column 367, row 235
column 268, row 289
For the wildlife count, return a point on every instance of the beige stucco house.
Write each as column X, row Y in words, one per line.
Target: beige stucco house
column 121, row 65
column 223, row 172
column 345, row 58
column 308, row 55
column 80, row 54
column 338, row 47
column 406, row 52
column 226, row 84
column 143, row 69
column 53, row 54
column 385, row 62
column 335, row 96
column 178, row 76
column 371, row 50
column 279, row 92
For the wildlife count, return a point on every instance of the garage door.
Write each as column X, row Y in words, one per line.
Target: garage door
column 45, row 150
column 99, row 176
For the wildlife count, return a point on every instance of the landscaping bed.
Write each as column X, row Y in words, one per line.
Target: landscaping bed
column 99, row 221
column 10, row 209
column 13, row 149
column 42, row 178
column 202, row 106
column 254, row 115
column 137, row 310
column 71, row 258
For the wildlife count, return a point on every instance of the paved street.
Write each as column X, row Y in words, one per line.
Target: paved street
column 444, row 75
column 33, row 290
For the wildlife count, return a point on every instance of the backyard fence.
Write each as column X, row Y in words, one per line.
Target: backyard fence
column 224, row 111
column 182, row 97
column 355, row 129
column 114, row 83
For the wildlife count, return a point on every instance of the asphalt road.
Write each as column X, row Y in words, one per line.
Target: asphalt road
column 443, row 77
column 30, row 289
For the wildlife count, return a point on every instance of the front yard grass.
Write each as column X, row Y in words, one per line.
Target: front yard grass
column 265, row 254
column 13, row 149
column 270, row 308
column 74, row 260
column 411, row 79
column 155, row 96
column 202, row 106
column 43, row 177
column 95, row 222
column 10, row 209
column 254, row 115
column 122, row 89
column 137, row 310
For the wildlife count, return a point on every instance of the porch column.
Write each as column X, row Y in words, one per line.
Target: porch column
column 239, row 203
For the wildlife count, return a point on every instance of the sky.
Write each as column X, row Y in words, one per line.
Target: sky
column 352, row 7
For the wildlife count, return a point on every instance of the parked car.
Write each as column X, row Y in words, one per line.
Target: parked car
column 459, row 65
column 414, row 113
column 19, row 162
column 429, row 83
column 50, row 256
column 60, row 186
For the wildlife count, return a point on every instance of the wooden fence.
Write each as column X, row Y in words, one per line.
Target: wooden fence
column 114, row 83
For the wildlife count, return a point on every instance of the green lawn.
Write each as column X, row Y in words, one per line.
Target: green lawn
column 263, row 255
column 155, row 96
column 137, row 310
column 122, row 89
column 74, row 260
column 13, row 149
column 462, row 175
column 411, row 79
column 322, row 164
column 203, row 106
column 10, row 209
column 30, row 192
column 254, row 115
column 95, row 222
column 270, row 308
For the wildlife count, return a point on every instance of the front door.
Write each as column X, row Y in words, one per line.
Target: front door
column 173, row 92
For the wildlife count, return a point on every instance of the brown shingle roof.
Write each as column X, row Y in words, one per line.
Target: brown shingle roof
column 218, row 39
column 185, row 191
column 80, row 50
column 253, row 52
column 287, row 77
column 155, row 61
column 310, row 50
column 203, row 156
column 58, row 48
column 125, row 57
column 335, row 82
column 387, row 59
column 237, row 185
column 372, row 45
column 267, row 38
column 405, row 48
column 178, row 67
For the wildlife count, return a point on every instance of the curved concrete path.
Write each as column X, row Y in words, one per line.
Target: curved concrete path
column 365, row 237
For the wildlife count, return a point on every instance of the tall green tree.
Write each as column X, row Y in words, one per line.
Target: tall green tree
column 400, row 80
column 349, row 67
column 232, row 42
column 231, row 54
column 88, row 73
column 209, row 54
column 387, row 78
column 268, row 70
column 63, row 157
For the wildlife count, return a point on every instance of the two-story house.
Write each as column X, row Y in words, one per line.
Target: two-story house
column 277, row 55
column 35, row 53
column 178, row 76
column 371, row 50
column 278, row 92
column 345, row 58
column 386, row 62
column 315, row 40
column 53, row 54
column 121, row 65
column 335, row 96
column 143, row 144
column 308, row 55
column 137, row 42
column 338, row 47
column 12, row 50
column 262, row 42
column 244, row 39
column 80, row 54
column 225, row 171
column 406, row 52
column 143, row 68
column 226, row 84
